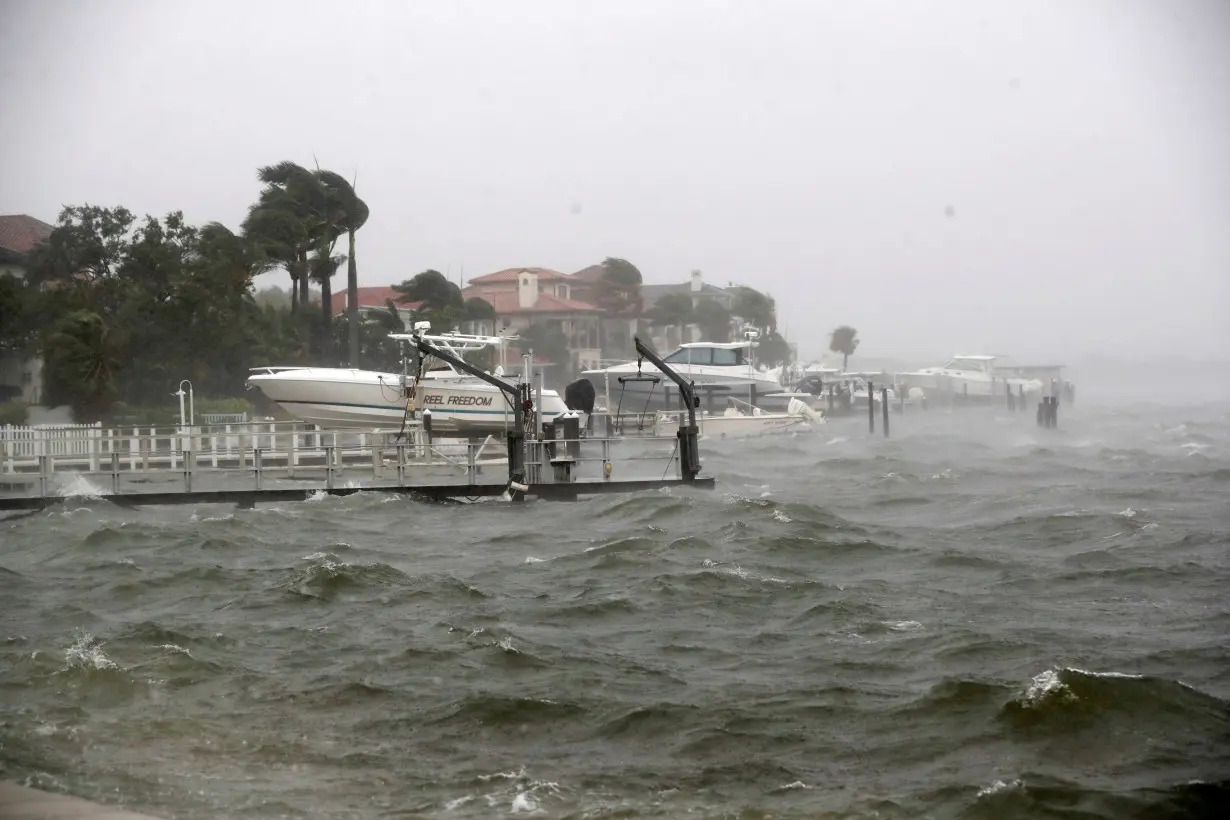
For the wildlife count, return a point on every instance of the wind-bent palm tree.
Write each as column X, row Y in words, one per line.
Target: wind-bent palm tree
column 290, row 219
column 322, row 265
column 348, row 213
column 277, row 232
column 844, row 340
column 618, row 293
column 713, row 320
column 674, row 310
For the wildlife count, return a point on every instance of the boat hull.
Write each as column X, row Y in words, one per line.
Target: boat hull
column 972, row 385
column 364, row 400
column 720, row 427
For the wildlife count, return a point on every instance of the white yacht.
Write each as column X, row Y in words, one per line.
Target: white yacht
column 968, row 374
column 743, row 420
column 723, row 368
column 346, row 398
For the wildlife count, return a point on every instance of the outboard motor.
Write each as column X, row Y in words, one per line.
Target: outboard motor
column 812, row 384
column 579, row 396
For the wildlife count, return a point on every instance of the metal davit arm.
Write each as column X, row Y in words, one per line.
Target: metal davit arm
column 425, row 347
column 689, row 453
column 517, row 395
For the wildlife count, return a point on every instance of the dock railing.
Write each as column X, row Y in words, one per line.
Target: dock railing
column 50, row 461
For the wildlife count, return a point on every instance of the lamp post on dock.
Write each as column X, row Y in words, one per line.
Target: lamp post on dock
column 191, row 405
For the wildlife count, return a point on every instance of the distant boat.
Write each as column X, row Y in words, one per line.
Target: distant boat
column 723, row 368
column 742, row 420
column 969, row 374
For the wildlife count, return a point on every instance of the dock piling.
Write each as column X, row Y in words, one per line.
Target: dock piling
column 1048, row 412
column 871, row 408
column 884, row 405
column 44, row 473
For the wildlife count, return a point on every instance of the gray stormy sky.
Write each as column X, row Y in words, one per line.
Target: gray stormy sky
column 1036, row 178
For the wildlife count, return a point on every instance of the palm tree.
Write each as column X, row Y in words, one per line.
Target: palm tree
column 674, row 310
column 321, row 267
column 289, row 220
column 619, row 287
column 548, row 342
column 275, row 232
column 618, row 291
column 442, row 303
column 348, row 213
column 713, row 320
column 755, row 308
column 844, row 340
column 478, row 309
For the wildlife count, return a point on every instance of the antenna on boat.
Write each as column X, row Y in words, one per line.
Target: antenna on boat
column 751, row 334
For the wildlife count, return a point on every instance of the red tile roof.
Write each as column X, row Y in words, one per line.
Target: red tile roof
column 510, row 275
column 371, row 298
column 508, row 302
column 19, row 233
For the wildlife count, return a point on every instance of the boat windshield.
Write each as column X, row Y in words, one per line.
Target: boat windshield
column 980, row 365
column 711, row 356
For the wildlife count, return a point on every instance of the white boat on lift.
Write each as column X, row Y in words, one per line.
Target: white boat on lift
column 742, row 420
column 347, row 398
column 721, row 368
column 976, row 376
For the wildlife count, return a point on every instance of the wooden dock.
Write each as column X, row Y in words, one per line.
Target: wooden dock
column 278, row 463
column 23, row 803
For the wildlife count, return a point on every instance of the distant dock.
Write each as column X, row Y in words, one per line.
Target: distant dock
column 23, row 803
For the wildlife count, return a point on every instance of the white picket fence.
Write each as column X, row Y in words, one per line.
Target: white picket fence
column 92, row 444
column 58, row 440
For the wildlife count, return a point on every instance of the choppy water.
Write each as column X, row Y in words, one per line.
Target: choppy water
column 974, row 619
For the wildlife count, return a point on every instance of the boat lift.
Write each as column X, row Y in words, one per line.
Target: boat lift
column 689, row 451
column 520, row 398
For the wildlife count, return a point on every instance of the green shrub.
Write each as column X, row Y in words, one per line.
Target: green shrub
column 233, row 405
column 13, row 412
column 124, row 415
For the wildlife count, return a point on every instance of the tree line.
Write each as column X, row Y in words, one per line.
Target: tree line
column 121, row 308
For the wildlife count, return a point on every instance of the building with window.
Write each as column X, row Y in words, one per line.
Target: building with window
column 695, row 287
column 540, row 296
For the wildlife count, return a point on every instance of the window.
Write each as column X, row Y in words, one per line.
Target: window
column 725, row 357
column 691, row 355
